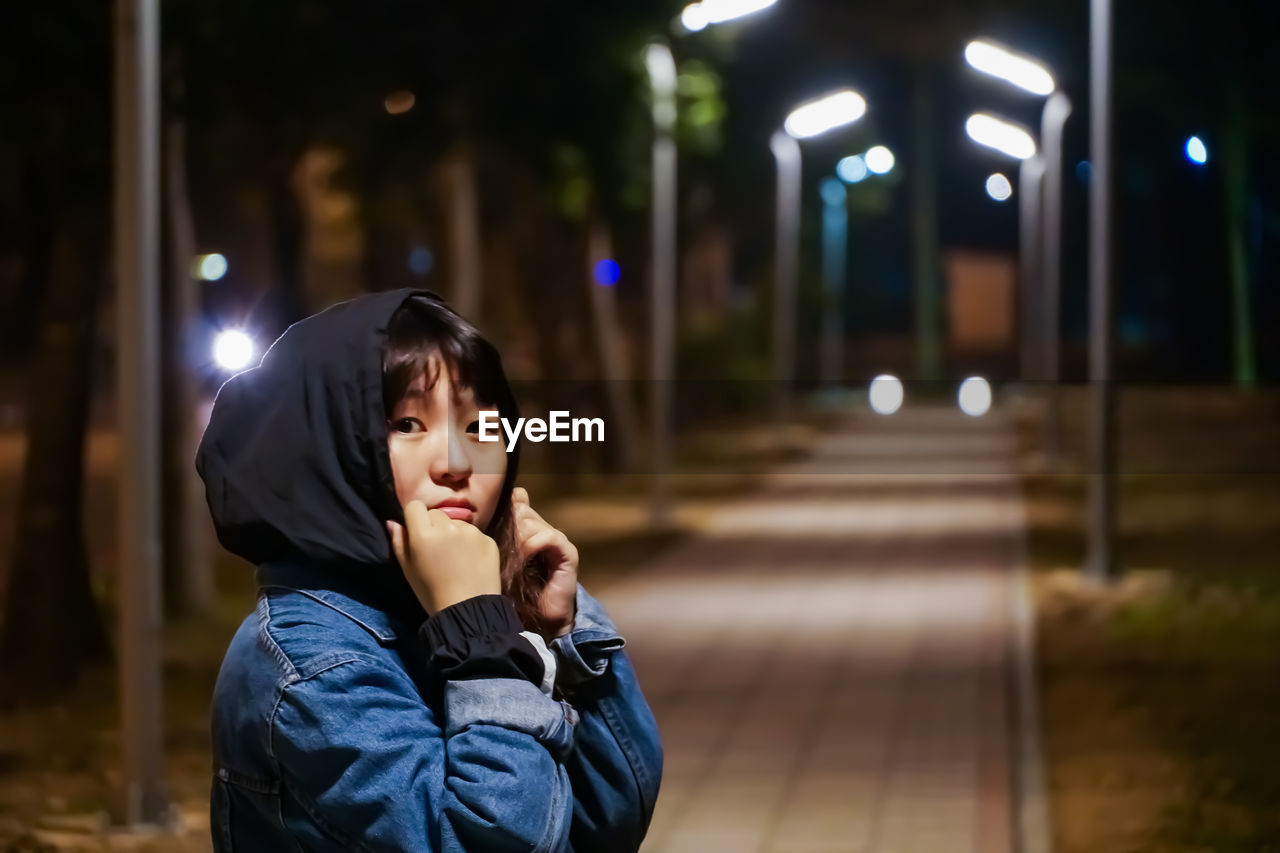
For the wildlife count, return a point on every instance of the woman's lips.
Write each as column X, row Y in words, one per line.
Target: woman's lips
column 461, row 513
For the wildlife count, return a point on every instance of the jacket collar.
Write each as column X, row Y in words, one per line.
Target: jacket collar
column 386, row 611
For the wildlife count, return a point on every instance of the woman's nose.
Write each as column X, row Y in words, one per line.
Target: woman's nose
column 451, row 462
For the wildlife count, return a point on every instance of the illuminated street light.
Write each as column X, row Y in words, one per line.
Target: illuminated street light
column 808, row 120
column 233, row 350
column 827, row 113
column 1003, row 136
column 1043, row 207
column 1022, row 72
column 698, row 16
column 660, row 67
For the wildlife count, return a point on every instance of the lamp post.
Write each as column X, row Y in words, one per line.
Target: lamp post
column 660, row 66
column 662, row 76
column 1102, row 414
column 1043, row 287
column 1014, row 141
column 1044, row 360
column 1030, row 182
column 137, row 269
column 853, row 169
column 810, row 119
column 835, row 229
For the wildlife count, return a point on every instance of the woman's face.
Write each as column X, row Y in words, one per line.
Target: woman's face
column 436, row 453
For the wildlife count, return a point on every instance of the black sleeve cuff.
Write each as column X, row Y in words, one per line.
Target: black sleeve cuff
column 480, row 638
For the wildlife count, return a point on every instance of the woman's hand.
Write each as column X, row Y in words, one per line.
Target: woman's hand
column 445, row 560
column 559, row 602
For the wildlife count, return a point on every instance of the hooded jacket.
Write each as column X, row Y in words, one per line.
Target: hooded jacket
column 343, row 717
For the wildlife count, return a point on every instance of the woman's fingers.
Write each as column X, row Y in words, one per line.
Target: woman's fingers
column 445, row 560
column 537, row 542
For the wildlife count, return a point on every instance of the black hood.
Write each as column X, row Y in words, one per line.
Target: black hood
column 294, row 459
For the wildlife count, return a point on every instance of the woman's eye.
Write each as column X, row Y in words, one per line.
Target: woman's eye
column 408, row 425
column 474, row 426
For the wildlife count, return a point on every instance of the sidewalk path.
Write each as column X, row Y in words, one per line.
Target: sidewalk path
column 829, row 661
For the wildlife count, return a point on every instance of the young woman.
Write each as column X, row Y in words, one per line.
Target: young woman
column 423, row 671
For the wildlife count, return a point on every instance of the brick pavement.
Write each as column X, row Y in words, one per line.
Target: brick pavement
column 829, row 661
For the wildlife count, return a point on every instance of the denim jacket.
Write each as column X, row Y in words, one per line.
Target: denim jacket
column 329, row 734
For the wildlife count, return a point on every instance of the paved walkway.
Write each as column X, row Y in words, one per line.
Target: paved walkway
column 829, row 664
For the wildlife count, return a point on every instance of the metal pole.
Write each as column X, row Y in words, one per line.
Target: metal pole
column 1054, row 118
column 1030, row 173
column 786, row 152
column 835, row 229
column 662, row 77
column 1102, row 421
column 137, row 255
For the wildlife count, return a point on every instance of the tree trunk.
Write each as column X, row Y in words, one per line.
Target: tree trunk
column 462, row 220
column 604, row 314
column 1235, row 166
column 52, row 626
column 284, row 299
column 924, row 219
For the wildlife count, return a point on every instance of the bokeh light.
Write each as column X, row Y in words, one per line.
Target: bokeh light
column 421, row 261
column 974, row 396
column 209, row 267
column 607, row 272
column 1196, row 151
column 885, row 394
column 852, row 169
column 879, row 160
column 999, row 188
column 233, row 350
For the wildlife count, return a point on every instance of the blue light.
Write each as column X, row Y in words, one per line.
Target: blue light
column 852, row 169
column 421, row 261
column 607, row 272
column 1083, row 170
column 832, row 191
column 1196, row 151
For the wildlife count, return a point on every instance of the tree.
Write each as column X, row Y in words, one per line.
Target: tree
column 52, row 627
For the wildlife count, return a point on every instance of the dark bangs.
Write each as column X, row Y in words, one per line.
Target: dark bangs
column 423, row 327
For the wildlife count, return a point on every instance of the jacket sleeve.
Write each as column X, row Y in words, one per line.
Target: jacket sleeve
column 616, row 763
column 366, row 758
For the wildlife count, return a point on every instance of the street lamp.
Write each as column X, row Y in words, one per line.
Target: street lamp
column 1102, row 409
column 1014, row 141
column 1020, row 71
column 1003, row 136
column 660, row 67
column 1030, row 76
column 810, row 119
column 854, row 169
column 697, row 16
column 136, row 31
